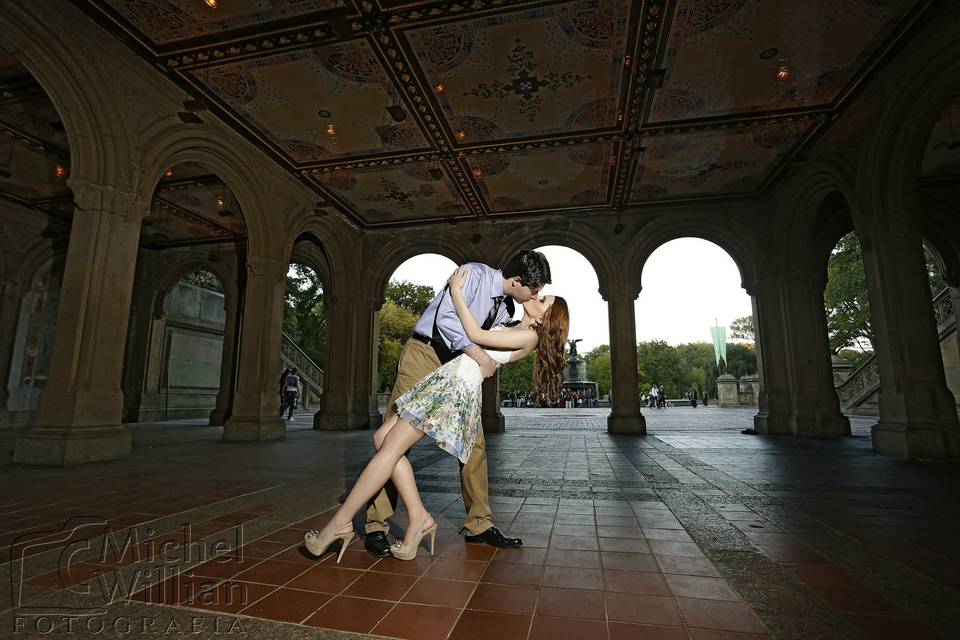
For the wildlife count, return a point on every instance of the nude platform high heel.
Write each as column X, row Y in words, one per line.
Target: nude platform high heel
column 320, row 546
column 401, row 551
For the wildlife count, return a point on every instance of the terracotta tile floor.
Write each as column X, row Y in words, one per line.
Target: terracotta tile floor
column 680, row 534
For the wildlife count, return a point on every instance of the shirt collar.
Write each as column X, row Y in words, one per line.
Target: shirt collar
column 497, row 283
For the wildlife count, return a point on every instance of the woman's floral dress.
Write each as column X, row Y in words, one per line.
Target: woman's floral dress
column 445, row 404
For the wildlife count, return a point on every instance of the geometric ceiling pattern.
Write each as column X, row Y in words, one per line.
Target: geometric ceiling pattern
column 399, row 112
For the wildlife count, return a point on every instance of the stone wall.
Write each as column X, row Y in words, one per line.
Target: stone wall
column 189, row 355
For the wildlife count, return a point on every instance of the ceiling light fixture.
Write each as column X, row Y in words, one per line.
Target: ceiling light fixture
column 168, row 173
column 477, row 173
column 60, row 171
column 783, row 71
column 221, row 201
column 330, row 130
column 227, row 205
column 213, row 4
column 323, row 113
column 461, row 134
column 440, row 88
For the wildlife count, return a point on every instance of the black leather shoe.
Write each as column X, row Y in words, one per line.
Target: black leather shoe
column 495, row 538
column 377, row 544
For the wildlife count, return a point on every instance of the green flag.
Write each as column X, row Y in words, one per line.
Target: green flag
column 719, row 335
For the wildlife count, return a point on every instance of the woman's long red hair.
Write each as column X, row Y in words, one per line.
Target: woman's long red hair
column 552, row 332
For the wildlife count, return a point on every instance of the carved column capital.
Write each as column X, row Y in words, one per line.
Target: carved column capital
column 122, row 199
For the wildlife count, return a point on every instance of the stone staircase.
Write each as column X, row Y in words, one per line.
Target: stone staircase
column 291, row 355
column 859, row 394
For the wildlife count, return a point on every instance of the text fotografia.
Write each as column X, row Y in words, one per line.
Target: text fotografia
column 126, row 625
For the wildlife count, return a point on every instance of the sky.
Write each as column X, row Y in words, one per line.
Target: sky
column 686, row 284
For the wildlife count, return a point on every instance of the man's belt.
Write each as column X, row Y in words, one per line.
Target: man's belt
column 444, row 354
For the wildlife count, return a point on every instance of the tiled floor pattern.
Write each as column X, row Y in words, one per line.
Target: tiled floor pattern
column 678, row 535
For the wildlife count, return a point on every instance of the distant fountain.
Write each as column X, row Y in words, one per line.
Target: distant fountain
column 576, row 375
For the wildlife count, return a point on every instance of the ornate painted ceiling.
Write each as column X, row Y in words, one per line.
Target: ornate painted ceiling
column 399, row 112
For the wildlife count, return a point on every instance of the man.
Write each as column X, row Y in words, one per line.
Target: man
column 438, row 338
column 291, row 389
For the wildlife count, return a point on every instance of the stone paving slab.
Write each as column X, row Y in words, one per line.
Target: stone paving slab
column 692, row 531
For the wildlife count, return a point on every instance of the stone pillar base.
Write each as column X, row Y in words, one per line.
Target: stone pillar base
column 254, row 429
column 341, row 421
column 627, row 425
column 493, row 424
column 62, row 446
column 820, row 425
column 924, row 441
column 768, row 425
column 218, row 417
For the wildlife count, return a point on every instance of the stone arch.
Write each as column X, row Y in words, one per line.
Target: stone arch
column 392, row 255
column 180, row 269
column 81, row 92
column 179, row 143
column 585, row 242
column 890, row 161
column 730, row 239
column 337, row 265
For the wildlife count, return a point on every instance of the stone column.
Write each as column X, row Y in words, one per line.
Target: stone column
column 918, row 416
column 138, row 348
column 256, row 405
column 351, row 355
column 221, row 412
column 773, row 399
column 814, row 406
column 11, row 294
column 490, row 414
column 625, row 416
column 81, row 407
column 373, row 405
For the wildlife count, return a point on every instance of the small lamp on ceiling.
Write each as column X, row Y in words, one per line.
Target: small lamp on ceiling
column 227, row 204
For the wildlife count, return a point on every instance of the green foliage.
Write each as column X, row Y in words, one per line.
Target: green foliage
column 518, row 376
column 691, row 365
column 598, row 368
column 412, row 297
column 396, row 326
column 856, row 357
column 405, row 303
column 742, row 328
column 305, row 317
column 845, row 297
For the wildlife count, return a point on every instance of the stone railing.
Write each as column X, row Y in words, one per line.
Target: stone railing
column 865, row 380
column 293, row 356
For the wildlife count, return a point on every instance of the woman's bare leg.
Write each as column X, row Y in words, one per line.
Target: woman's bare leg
column 397, row 441
column 406, row 484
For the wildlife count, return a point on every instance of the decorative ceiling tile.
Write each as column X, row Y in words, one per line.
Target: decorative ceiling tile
column 564, row 177
column 166, row 21
column 395, row 194
column 555, row 69
column 718, row 162
column 724, row 56
column 282, row 96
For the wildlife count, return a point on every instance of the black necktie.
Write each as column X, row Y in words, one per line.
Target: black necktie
column 497, row 301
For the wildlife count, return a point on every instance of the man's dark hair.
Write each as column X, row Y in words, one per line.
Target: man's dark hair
column 531, row 266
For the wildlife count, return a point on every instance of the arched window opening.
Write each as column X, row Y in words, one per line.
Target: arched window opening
column 696, row 342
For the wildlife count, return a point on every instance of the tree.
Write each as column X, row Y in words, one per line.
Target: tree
column 742, row 329
column 412, row 297
column 396, row 326
column 305, row 318
column 518, row 376
column 845, row 297
column 598, row 368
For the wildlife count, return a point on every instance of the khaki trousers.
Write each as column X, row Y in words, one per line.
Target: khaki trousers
column 416, row 361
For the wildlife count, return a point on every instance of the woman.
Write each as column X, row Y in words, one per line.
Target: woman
column 446, row 406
